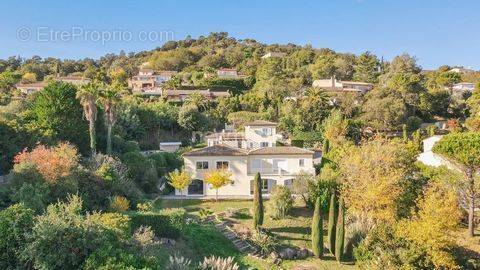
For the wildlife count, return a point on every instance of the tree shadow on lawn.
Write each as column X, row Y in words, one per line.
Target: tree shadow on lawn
column 293, row 229
column 298, row 212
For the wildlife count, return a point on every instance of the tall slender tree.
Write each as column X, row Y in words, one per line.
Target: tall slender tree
column 463, row 152
column 332, row 220
column 257, row 201
column 110, row 97
column 317, row 229
column 340, row 237
column 87, row 95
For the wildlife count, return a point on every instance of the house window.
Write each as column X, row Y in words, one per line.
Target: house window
column 239, row 144
column 264, row 185
column 288, row 183
column 202, row 165
column 264, row 144
column 266, row 131
column 251, row 144
column 222, row 165
column 301, row 162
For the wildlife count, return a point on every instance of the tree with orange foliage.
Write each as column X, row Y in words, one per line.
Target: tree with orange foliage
column 52, row 162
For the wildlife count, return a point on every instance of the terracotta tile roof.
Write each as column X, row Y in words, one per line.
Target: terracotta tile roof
column 206, row 92
column 281, row 150
column 216, row 150
column 32, row 85
column 260, row 123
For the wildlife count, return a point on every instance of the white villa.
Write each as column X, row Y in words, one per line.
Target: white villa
column 335, row 85
column 245, row 154
column 463, row 87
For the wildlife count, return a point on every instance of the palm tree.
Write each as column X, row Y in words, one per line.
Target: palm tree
column 110, row 97
column 87, row 95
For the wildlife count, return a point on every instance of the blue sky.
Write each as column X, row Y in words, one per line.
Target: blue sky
column 435, row 31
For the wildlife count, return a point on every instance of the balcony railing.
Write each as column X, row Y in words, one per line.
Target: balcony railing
column 279, row 171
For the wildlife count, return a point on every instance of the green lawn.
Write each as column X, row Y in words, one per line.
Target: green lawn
column 293, row 230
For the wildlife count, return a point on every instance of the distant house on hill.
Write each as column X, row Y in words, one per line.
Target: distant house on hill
column 334, row 85
column 148, row 80
column 463, row 87
column 273, row 55
column 462, row 70
column 182, row 95
column 227, row 73
column 29, row 88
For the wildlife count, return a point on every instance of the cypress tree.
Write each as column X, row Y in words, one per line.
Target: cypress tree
column 405, row 133
column 317, row 230
column 339, row 241
column 332, row 220
column 325, row 146
column 257, row 201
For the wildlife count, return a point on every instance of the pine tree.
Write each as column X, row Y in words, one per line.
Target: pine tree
column 257, row 201
column 332, row 220
column 339, row 241
column 317, row 229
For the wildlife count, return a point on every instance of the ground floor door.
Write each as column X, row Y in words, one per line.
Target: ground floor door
column 196, row 187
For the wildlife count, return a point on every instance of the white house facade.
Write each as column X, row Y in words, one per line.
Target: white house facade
column 253, row 152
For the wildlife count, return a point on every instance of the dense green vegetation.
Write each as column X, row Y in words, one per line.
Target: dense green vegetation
column 78, row 188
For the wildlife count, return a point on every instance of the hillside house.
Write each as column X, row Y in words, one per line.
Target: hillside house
column 227, row 73
column 147, row 80
column 244, row 155
column 333, row 85
column 30, row 88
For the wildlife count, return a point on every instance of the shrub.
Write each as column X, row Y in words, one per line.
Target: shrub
column 142, row 170
column 160, row 162
column 15, row 222
column 119, row 204
column 115, row 222
column 53, row 163
column 145, row 207
column 265, row 242
column 166, row 223
column 33, row 195
column 144, row 237
column 115, row 257
column 414, row 122
column 281, row 202
column 61, row 239
column 178, row 262
column 217, row 263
